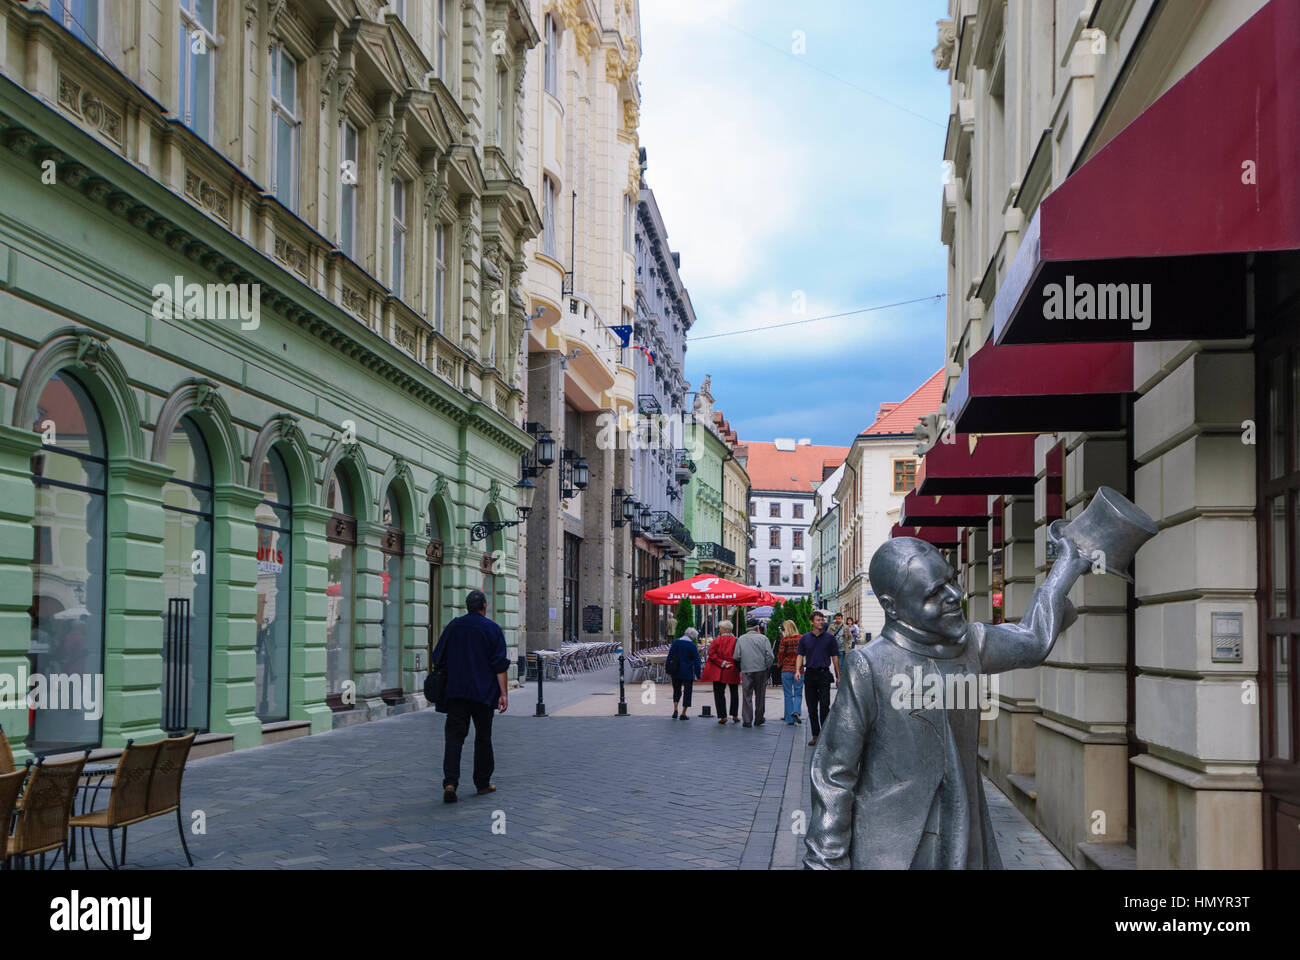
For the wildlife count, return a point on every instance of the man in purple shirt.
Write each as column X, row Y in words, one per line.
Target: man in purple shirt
column 818, row 651
column 473, row 648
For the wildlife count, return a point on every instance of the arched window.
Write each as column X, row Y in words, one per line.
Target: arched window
column 274, row 519
column 393, row 548
column 341, row 537
column 69, row 527
column 187, row 580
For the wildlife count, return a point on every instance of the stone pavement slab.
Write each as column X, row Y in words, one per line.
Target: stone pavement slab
column 573, row 792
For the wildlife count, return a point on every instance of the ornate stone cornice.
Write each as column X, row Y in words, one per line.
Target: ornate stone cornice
column 141, row 215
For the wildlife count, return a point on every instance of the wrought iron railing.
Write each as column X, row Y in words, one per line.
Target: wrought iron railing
column 715, row 551
column 664, row 523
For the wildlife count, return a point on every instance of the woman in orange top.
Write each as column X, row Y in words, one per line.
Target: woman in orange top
column 722, row 670
column 786, row 654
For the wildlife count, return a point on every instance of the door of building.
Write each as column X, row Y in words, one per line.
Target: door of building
column 571, row 605
column 1277, row 511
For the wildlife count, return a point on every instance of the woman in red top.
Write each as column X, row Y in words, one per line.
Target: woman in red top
column 722, row 670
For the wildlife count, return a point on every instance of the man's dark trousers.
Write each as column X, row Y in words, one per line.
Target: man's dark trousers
column 817, row 692
column 459, row 713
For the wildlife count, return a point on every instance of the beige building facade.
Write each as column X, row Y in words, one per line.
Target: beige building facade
column 582, row 165
column 1161, row 730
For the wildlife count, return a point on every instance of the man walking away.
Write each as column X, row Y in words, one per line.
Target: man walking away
column 473, row 649
column 817, row 653
column 753, row 656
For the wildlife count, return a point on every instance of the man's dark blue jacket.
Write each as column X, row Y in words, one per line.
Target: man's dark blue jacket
column 475, row 651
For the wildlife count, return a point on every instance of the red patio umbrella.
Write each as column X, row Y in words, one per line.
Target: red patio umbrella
column 708, row 588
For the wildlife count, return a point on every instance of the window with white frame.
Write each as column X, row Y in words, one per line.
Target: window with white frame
column 398, row 266
column 348, row 192
column 548, row 216
column 439, row 274
column 440, row 39
column 79, row 17
column 285, row 125
column 197, row 65
column 552, row 72
column 503, row 79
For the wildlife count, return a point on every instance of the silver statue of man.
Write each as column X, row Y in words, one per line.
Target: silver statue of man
column 898, row 786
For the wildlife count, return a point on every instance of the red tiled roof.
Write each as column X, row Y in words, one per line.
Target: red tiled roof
column 900, row 418
column 799, row 469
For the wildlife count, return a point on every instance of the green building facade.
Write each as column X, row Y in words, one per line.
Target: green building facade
column 249, row 522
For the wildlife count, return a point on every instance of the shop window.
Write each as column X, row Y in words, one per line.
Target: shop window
column 187, row 581
column 274, row 519
column 67, row 612
column 340, row 575
column 393, row 548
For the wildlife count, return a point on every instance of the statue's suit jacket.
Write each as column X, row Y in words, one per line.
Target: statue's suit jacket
column 897, row 786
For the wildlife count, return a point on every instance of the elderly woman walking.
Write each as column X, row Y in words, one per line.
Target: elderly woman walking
column 683, row 668
column 720, row 669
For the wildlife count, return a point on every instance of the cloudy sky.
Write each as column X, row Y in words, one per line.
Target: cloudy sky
column 806, row 179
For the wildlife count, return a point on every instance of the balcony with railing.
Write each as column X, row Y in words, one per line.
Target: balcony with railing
column 715, row 551
column 670, row 531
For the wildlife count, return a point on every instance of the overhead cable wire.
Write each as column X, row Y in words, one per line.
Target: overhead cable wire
column 830, row 316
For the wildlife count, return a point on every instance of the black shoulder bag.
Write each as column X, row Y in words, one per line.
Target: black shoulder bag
column 435, row 684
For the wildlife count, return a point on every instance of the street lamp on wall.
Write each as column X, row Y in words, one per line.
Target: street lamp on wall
column 525, row 490
column 622, row 506
column 542, row 455
column 574, row 474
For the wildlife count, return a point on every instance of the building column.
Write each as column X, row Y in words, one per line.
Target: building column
column 1081, row 752
column 17, row 507
column 367, row 651
column 545, row 555
column 603, row 560
column 1011, row 732
column 234, row 614
column 307, row 659
column 1198, row 800
column 133, row 619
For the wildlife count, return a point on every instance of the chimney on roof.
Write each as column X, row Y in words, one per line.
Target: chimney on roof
column 784, row 444
column 805, row 441
column 886, row 408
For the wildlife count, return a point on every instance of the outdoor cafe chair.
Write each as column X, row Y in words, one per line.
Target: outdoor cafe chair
column 6, row 754
column 146, row 784
column 11, row 784
column 42, row 824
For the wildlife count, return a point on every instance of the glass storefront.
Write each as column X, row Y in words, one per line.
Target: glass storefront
column 341, row 534
column 187, row 581
column 66, row 648
column 274, row 594
column 393, row 548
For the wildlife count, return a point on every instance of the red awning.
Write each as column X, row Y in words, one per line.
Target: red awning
column 1043, row 388
column 706, row 588
column 938, row 536
column 969, row 510
column 1171, row 204
column 978, row 464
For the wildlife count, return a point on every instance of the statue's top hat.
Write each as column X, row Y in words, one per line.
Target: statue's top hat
column 1109, row 531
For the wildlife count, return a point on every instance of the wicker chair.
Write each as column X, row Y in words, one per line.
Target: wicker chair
column 165, row 787
column 128, row 801
column 6, row 754
column 42, row 825
column 11, row 784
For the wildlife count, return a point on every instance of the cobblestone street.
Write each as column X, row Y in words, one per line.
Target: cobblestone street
column 574, row 791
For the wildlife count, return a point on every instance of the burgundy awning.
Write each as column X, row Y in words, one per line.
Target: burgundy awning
column 1043, row 388
column 1172, row 204
column 968, row 510
column 978, row 464
column 938, row 536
